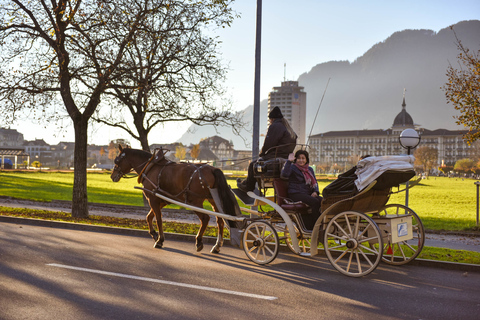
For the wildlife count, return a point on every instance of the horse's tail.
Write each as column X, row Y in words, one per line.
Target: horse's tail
column 227, row 198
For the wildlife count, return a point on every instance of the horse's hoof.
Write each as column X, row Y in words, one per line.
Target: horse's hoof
column 154, row 236
column 199, row 247
column 158, row 245
column 215, row 250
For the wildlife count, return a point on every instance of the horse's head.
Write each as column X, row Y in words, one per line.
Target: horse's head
column 122, row 165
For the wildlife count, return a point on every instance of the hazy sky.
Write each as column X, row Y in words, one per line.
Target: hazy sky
column 302, row 34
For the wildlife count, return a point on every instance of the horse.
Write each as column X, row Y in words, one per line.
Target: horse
column 184, row 182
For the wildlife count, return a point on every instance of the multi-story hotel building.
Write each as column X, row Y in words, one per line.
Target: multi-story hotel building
column 344, row 148
column 292, row 101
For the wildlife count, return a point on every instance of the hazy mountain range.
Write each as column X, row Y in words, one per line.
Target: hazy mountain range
column 368, row 93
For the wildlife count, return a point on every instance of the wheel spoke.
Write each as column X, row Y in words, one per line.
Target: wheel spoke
column 347, row 221
column 341, row 256
column 339, row 246
column 366, row 258
column 340, row 228
column 252, row 234
column 358, row 262
column 367, row 248
column 401, row 251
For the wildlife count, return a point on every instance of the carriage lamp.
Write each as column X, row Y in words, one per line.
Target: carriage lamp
column 409, row 139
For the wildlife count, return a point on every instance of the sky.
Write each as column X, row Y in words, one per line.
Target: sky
column 299, row 34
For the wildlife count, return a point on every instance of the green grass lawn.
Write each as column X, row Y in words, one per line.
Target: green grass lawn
column 442, row 203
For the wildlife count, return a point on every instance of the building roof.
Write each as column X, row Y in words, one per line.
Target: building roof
column 403, row 119
column 350, row 133
column 12, row 152
column 214, row 141
column 36, row 142
column 9, row 131
column 442, row 132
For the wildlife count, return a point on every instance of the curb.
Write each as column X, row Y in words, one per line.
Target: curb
column 207, row 240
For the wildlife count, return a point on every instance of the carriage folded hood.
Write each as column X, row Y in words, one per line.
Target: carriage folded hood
column 371, row 168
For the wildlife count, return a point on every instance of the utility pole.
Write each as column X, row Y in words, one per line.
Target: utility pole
column 256, row 99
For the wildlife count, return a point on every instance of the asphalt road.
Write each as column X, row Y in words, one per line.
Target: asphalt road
column 55, row 273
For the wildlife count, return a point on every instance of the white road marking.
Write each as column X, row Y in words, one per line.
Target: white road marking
column 178, row 284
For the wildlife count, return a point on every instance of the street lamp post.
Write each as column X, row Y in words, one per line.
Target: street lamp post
column 409, row 139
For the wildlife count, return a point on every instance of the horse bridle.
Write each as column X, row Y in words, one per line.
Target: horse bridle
column 119, row 159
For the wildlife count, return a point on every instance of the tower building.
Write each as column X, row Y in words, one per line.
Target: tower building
column 292, row 101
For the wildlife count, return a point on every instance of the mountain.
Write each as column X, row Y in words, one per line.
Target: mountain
column 368, row 93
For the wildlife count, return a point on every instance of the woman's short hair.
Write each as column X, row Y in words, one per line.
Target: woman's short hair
column 304, row 152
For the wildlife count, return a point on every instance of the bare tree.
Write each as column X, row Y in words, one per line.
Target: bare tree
column 172, row 71
column 64, row 52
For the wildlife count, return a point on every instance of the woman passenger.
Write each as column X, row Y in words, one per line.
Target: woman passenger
column 302, row 185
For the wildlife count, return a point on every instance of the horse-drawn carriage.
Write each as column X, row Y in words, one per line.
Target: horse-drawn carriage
column 357, row 229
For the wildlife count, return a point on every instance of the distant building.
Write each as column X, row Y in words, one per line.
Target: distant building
column 38, row 150
column 10, row 138
column 98, row 155
column 344, row 148
column 221, row 148
column 292, row 101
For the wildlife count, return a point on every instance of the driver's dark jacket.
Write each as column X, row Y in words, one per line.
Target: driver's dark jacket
column 277, row 135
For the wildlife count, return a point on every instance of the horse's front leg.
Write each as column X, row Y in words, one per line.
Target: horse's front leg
column 155, row 211
column 161, row 238
column 219, row 244
column 204, row 219
column 151, row 229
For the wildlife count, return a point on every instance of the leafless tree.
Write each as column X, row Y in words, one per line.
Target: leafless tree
column 65, row 52
column 172, row 71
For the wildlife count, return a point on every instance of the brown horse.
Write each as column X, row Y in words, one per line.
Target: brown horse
column 184, row 182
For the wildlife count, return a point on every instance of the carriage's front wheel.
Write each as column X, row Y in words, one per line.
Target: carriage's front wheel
column 351, row 243
column 260, row 242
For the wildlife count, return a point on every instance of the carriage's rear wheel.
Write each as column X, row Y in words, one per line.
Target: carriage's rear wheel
column 260, row 242
column 404, row 251
column 303, row 241
column 351, row 243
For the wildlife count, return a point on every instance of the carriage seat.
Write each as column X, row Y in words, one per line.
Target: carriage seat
column 270, row 168
column 281, row 187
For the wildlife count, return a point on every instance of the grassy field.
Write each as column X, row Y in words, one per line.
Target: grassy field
column 442, row 203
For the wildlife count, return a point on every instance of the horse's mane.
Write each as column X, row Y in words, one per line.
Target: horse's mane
column 138, row 152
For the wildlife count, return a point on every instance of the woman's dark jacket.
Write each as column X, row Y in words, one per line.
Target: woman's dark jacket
column 296, row 180
column 277, row 135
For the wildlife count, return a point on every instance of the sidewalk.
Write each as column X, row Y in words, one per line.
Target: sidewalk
column 457, row 241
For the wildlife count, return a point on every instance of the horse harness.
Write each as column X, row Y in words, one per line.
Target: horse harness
column 156, row 160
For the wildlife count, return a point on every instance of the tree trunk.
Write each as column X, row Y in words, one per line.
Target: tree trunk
column 144, row 142
column 79, row 198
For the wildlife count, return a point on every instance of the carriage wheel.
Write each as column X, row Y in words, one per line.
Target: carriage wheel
column 351, row 243
column 303, row 242
column 260, row 242
column 405, row 251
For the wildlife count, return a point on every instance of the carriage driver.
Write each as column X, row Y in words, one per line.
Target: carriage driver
column 279, row 133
